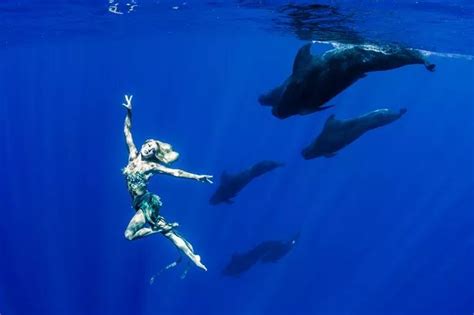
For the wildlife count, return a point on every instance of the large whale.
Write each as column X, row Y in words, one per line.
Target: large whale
column 265, row 252
column 231, row 184
column 337, row 134
column 317, row 79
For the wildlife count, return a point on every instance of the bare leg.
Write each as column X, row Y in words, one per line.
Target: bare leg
column 185, row 247
column 136, row 228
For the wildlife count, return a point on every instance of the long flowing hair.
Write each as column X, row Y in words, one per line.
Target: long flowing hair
column 160, row 153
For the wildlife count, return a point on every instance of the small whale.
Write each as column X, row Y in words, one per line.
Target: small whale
column 337, row 134
column 230, row 185
column 317, row 79
column 265, row 252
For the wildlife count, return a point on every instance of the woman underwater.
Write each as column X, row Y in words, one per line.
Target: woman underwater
column 142, row 165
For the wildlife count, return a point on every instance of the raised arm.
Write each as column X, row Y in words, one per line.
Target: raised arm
column 127, row 128
column 158, row 168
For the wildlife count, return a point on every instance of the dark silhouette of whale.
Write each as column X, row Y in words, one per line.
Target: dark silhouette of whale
column 230, row 185
column 317, row 79
column 337, row 134
column 265, row 252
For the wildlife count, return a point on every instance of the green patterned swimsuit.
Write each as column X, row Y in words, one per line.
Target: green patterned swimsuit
column 148, row 202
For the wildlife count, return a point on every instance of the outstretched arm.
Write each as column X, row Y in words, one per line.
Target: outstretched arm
column 158, row 168
column 127, row 128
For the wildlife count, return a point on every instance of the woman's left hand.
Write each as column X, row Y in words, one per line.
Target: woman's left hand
column 128, row 102
column 205, row 178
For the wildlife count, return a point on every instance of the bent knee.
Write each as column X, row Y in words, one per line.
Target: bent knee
column 128, row 235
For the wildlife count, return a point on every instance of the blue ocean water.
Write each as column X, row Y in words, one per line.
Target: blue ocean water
column 386, row 225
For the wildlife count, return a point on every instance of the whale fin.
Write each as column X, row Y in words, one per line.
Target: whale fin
column 331, row 123
column 430, row 66
column 303, row 59
column 324, row 107
column 330, row 119
column 330, row 155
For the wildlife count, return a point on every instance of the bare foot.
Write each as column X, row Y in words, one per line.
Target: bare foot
column 198, row 263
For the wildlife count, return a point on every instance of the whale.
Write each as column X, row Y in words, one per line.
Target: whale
column 337, row 134
column 265, row 252
column 231, row 184
column 315, row 80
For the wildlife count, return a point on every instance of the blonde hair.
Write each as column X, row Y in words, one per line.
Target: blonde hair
column 159, row 153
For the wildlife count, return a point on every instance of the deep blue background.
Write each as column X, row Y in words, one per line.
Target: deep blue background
column 387, row 224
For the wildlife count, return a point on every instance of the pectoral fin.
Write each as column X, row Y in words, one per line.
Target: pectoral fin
column 324, row 107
